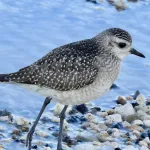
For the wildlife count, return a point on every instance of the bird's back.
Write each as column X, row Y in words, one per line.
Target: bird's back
column 68, row 67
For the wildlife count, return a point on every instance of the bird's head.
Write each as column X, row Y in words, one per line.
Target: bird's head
column 119, row 42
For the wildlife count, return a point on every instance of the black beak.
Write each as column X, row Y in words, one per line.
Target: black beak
column 135, row 52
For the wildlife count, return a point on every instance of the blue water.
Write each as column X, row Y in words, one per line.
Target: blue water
column 30, row 29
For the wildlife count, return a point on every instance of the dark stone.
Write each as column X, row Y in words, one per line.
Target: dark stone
column 118, row 126
column 76, row 119
column 51, row 128
column 69, row 141
column 117, row 148
column 114, row 86
column 95, row 110
column 92, row 1
column 34, row 147
column 137, row 93
column 45, row 119
column 72, row 112
column 134, row 104
column 17, row 140
column 144, row 135
column 4, row 113
column 81, row 108
column 148, row 133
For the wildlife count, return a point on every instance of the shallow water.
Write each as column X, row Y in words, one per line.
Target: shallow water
column 29, row 30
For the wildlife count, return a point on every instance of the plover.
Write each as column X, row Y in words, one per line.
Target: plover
column 75, row 73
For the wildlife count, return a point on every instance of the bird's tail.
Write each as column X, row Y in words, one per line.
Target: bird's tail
column 4, row 77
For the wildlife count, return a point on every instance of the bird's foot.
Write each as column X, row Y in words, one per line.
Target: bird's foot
column 29, row 138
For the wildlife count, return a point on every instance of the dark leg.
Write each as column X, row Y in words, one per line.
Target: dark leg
column 30, row 134
column 62, row 117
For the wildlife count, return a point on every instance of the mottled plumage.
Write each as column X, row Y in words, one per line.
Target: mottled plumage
column 65, row 68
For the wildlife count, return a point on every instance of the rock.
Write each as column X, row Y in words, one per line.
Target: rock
column 86, row 136
column 107, row 147
column 147, row 140
column 84, row 146
column 23, row 138
column 144, row 148
column 42, row 134
column 114, row 118
column 125, row 124
column 47, row 148
column 129, row 98
column 147, row 123
column 104, row 136
column 92, row 1
column 137, row 93
column 114, row 86
column 125, row 111
column 137, row 122
column 16, row 132
column 90, row 117
column 1, row 147
column 94, row 110
column 143, row 143
column 4, row 118
column 4, row 113
column 59, row 107
column 137, row 133
column 130, row 148
column 140, row 99
column 121, row 100
column 135, row 127
column 118, row 126
column 114, row 145
column 69, row 141
column 110, row 111
column 22, row 121
column 120, row 5
column 102, row 114
column 116, row 133
column 81, row 108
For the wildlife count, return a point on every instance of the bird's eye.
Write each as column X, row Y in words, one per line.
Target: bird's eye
column 122, row 45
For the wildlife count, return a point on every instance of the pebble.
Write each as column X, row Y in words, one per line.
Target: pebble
column 147, row 123
column 125, row 110
column 120, row 5
column 81, row 108
column 135, row 127
column 110, row 111
column 144, row 148
column 140, row 99
column 130, row 148
column 42, row 134
column 143, row 143
column 85, row 146
column 121, row 100
column 90, row 117
column 114, row 118
column 102, row 114
column 4, row 118
column 22, row 121
column 86, row 136
column 107, row 147
column 59, row 107
column 104, row 136
column 137, row 122
column 47, row 148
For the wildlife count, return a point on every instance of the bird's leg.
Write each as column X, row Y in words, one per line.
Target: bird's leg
column 30, row 134
column 62, row 117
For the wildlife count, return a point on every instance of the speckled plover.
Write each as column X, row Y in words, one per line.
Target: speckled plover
column 75, row 73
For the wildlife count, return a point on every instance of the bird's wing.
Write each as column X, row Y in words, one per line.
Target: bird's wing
column 68, row 67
